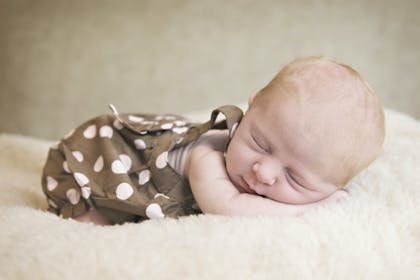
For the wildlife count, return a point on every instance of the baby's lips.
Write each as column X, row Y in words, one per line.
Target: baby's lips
column 246, row 186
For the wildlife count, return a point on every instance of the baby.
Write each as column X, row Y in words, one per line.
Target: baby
column 304, row 136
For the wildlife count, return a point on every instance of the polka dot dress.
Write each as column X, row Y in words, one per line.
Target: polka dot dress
column 118, row 164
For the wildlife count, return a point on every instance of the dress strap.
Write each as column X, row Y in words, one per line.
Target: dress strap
column 233, row 116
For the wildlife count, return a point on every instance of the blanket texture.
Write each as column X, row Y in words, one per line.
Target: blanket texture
column 373, row 234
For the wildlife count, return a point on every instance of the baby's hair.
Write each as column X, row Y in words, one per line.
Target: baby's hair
column 323, row 80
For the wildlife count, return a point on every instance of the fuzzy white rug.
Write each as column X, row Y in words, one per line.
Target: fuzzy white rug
column 374, row 234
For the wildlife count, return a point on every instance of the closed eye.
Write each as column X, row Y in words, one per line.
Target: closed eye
column 293, row 179
column 258, row 144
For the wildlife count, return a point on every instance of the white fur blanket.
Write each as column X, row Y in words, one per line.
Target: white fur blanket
column 374, row 234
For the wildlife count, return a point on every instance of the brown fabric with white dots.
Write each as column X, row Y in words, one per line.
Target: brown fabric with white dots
column 117, row 164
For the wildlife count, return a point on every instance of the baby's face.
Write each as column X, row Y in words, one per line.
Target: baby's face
column 274, row 153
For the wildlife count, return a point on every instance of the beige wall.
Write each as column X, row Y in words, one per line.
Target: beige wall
column 62, row 62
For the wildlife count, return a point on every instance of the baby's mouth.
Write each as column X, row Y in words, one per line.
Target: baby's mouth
column 245, row 186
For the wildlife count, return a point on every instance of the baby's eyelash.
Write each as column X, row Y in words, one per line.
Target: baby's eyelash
column 293, row 178
column 258, row 144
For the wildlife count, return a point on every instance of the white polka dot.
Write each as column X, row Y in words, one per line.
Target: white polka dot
column 81, row 179
column 162, row 160
column 143, row 132
column 159, row 118
column 124, row 191
column 121, row 165
column 147, row 122
column 51, row 183
column 52, row 203
column 161, row 195
column 86, row 191
column 66, row 166
column 106, row 131
column 180, row 123
column 78, row 155
column 167, row 125
column 234, row 127
column 73, row 196
column 99, row 164
column 117, row 124
column 135, row 119
column 140, row 144
column 90, row 132
column 153, row 211
column 144, row 177
column 180, row 130
column 169, row 118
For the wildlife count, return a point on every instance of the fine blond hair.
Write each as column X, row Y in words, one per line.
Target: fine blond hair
column 323, row 80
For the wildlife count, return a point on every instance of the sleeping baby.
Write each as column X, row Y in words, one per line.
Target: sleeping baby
column 304, row 136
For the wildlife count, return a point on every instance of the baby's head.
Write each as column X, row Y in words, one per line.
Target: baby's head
column 307, row 133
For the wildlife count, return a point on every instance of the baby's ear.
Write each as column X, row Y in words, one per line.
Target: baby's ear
column 251, row 98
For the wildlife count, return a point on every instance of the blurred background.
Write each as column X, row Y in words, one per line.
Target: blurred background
column 62, row 62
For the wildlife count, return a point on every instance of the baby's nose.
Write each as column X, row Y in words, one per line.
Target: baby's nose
column 263, row 175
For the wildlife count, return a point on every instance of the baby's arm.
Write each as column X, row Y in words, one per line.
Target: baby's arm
column 215, row 193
